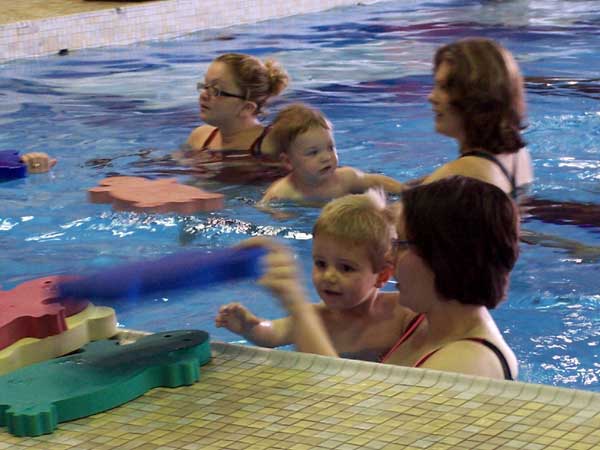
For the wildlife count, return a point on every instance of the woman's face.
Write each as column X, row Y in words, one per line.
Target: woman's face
column 214, row 109
column 415, row 280
column 448, row 120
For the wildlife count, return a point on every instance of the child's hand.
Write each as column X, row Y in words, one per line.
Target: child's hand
column 38, row 162
column 281, row 273
column 236, row 318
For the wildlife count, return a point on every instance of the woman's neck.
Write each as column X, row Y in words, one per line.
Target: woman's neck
column 231, row 132
column 450, row 318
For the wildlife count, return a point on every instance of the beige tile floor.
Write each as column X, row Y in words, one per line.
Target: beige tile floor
column 252, row 398
column 22, row 10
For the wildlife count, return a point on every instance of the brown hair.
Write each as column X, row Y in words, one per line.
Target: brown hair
column 486, row 87
column 360, row 219
column 467, row 232
column 292, row 121
column 258, row 81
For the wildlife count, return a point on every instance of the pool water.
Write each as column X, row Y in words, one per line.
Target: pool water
column 114, row 110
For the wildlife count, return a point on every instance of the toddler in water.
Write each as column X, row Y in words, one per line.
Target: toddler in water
column 351, row 247
column 303, row 138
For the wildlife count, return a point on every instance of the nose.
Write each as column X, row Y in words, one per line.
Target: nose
column 204, row 95
column 330, row 274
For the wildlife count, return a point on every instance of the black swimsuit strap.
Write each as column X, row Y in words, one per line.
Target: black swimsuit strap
column 510, row 177
column 499, row 354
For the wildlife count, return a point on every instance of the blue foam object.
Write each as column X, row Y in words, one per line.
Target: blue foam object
column 11, row 166
column 184, row 269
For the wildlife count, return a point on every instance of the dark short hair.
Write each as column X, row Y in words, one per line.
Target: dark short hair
column 486, row 87
column 467, row 232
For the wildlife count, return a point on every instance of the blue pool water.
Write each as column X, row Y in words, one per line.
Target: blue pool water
column 368, row 68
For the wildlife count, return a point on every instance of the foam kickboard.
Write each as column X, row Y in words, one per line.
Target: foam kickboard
column 104, row 374
column 91, row 324
column 31, row 310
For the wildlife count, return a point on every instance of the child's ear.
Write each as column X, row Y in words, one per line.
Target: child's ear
column 249, row 108
column 285, row 159
column 384, row 275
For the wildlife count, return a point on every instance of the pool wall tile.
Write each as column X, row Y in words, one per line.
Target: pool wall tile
column 249, row 397
column 134, row 22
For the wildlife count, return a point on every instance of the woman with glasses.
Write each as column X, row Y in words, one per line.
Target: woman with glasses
column 233, row 145
column 451, row 268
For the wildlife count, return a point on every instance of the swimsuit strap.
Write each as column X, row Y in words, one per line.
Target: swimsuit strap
column 255, row 147
column 210, row 138
column 507, row 174
column 412, row 326
column 488, row 344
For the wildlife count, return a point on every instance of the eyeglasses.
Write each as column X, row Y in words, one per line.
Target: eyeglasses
column 214, row 91
column 400, row 244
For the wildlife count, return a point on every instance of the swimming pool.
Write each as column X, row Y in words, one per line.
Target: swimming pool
column 369, row 69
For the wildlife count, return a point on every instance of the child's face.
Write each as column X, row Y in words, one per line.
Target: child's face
column 312, row 155
column 342, row 274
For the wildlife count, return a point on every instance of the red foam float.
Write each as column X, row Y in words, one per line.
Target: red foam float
column 154, row 196
column 29, row 310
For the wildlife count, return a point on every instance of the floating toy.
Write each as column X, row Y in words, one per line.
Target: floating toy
column 91, row 324
column 184, row 269
column 105, row 374
column 29, row 310
column 154, row 196
column 11, row 166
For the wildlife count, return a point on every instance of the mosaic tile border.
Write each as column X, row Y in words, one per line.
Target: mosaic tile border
column 254, row 398
column 142, row 22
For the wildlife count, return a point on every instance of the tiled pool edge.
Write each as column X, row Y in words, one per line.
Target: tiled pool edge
column 256, row 398
column 143, row 22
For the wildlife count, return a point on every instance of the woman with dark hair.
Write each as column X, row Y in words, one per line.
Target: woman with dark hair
column 451, row 267
column 478, row 99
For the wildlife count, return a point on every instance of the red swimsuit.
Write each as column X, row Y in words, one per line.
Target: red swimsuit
column 414, row 324
column 239, row 166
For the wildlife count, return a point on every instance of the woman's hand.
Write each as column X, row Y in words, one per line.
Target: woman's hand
column 38, row 162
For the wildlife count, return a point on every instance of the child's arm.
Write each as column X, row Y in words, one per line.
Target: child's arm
column 359, row 182
column 265, row 333
column 371, row 180
column 282, row 278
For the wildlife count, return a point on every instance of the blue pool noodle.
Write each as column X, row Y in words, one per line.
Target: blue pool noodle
column 180, row 270
column 11, row 166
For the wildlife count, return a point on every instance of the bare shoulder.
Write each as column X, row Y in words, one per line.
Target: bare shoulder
column 199, row 135
column 468, row 167
column 281, row 189
column 472, row 358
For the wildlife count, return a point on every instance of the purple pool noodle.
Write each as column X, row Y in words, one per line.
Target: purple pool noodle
column 180, row 270
column 11, row 166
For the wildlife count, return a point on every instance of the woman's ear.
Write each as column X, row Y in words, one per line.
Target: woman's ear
column 249, row 108
column 384, row 275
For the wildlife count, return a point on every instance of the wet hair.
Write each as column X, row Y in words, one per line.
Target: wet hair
column 258, row 80
column 360, row 220
column 292, row 121
column 467, row 232
column 486, row 87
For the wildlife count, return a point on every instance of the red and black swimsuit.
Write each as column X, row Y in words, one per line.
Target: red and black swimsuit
column 240, row 166
column 414, row 324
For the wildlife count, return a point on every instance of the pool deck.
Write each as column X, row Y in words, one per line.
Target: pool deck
column 31, row 28
column 254, row 398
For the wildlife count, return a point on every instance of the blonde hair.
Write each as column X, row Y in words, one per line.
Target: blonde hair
column 258, row 80
column 360, row 219
column 292, row 121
